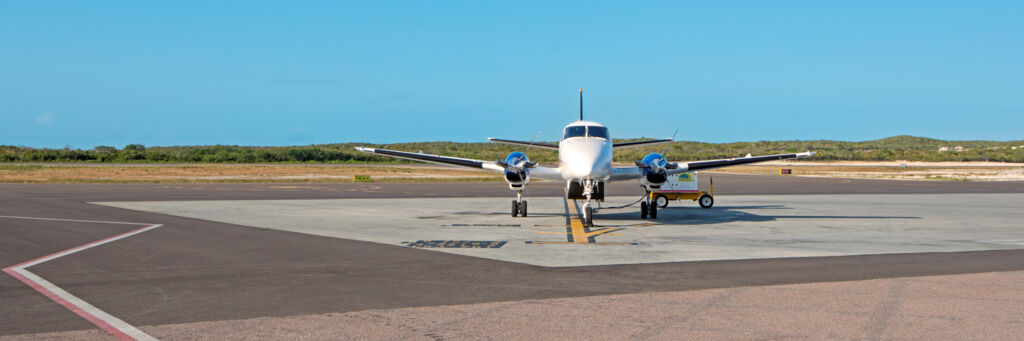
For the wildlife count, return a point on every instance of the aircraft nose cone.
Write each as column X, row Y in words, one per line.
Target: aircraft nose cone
column 582, row 168
column 586, row 160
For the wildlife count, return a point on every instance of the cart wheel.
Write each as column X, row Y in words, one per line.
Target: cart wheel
column 515, row 208
column 522, row 208
column 643, row 210
column 661, row 200
column 706, row 201
column 654, row 211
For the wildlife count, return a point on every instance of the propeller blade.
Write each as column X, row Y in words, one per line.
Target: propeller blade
column 531, row 142
column 664, row 154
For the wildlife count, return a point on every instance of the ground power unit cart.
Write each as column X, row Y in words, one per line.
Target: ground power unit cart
column 681, row 187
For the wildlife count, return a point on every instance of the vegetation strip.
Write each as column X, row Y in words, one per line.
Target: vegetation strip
column 908, row 148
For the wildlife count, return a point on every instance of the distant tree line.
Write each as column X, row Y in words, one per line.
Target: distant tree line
column 907, row 148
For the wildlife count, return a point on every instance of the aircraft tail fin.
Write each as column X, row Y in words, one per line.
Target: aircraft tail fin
column 581, row 104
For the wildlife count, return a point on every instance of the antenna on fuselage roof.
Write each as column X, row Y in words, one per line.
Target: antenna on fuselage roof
column 581, row 104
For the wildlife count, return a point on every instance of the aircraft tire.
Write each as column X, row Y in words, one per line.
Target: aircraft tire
column 654, row 211
column 515, row 208
column 522, row 208
column 589, row 215
column 643, row 210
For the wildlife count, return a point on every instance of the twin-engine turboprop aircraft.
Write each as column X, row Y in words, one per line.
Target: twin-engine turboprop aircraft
column 584, row 163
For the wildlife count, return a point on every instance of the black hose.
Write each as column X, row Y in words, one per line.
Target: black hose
column 624, row 206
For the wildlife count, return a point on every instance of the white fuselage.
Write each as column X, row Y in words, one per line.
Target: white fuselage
column 585, row 157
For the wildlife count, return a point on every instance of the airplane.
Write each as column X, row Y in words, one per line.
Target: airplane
column 584, row 164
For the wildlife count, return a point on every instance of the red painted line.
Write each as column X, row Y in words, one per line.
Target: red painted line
column 73, row 308
column 14, row 271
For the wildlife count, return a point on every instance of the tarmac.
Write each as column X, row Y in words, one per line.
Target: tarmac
column 777, row 257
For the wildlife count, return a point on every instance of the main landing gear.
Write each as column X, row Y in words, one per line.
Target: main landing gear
column 648, row 208
column 519, row 205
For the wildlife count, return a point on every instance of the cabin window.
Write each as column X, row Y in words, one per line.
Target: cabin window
column 595, row 131
column 575, row 131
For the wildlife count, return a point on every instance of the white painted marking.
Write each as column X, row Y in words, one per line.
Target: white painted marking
column 72, row 220
column 100, row 318
column 83, row 247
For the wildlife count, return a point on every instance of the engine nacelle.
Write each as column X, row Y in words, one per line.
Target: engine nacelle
column 654, row 169
column 516, row 174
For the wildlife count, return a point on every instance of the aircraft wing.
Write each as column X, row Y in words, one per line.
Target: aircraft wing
column 626, row 173
column 525, row 143
column 709, row 164
column 539, row 172
column 634, row 144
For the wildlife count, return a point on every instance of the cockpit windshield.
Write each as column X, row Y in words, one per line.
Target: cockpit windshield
column 588, row 131
column 575, row 131
column 595, row 131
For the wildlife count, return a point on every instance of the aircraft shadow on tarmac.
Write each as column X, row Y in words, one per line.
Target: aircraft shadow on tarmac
column 720, row 215
column 682, row 215
column 472, row 213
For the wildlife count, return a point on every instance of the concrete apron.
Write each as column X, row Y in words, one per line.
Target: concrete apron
column 737, row 227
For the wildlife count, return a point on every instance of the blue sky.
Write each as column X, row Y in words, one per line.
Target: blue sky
column 275, row 73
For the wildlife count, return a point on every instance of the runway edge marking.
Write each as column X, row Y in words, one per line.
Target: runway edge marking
column 111, row 324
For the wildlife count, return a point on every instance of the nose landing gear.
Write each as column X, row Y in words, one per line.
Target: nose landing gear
column 589, row 191
column 588, row 214
column 519, row 205
column 588, row 209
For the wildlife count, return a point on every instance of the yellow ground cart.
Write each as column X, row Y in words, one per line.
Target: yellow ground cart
column 682, row 187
